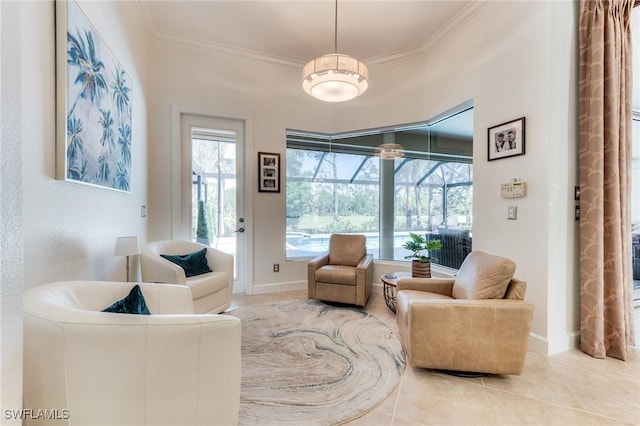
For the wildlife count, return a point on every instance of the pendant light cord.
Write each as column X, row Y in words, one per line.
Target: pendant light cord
column 335, row 30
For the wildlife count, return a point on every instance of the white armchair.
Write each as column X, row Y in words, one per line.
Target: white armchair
column 211, row 291
column 172, row 367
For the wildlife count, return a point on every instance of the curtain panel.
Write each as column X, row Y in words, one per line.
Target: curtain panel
column 605, row 114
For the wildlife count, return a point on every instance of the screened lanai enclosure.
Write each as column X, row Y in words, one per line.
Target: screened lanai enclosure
column 384, row 183
column 213, row 191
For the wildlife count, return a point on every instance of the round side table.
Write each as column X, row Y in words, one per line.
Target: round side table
column 389, row 283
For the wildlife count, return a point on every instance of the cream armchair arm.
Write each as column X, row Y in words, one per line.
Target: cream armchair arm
column 467, row 335
column 156, row 269
column 221, row 261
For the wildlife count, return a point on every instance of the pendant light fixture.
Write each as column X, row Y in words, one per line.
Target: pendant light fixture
column 389, row 151
column 335, row 77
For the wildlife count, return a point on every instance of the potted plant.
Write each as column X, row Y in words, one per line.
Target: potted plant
column 420, row 248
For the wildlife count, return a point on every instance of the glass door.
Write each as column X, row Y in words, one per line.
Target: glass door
column 213, row 204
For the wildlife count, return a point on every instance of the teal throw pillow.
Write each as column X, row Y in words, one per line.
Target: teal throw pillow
column 193, row 263
column 134, row 303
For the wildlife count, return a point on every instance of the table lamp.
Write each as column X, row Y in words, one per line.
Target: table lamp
column 127, row 246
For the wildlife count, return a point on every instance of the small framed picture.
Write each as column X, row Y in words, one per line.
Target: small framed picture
column 506, row 139
column 268, row 172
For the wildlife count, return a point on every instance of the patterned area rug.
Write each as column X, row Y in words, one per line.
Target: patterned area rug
column 306, row 362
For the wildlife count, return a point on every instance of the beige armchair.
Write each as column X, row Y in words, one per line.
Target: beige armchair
column 344, row 273
column 477, row 322
column 211, row 291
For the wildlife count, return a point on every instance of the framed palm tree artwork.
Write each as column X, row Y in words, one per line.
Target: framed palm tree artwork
column 93, row 105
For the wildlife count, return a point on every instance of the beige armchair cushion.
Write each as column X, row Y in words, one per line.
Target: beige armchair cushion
column 483, row 276
column 337, row 274
column 347, row 250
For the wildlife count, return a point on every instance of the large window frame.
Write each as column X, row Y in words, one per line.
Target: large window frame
column 324, row 170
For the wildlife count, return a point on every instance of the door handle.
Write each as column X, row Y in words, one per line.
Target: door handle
column 241, row 230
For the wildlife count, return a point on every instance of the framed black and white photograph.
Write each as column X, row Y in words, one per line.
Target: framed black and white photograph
column 268, row 172
column 506, row 139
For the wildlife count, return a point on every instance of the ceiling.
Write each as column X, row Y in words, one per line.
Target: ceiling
column 295, row 32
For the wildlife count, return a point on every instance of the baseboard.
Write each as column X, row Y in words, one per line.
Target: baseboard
column 545, row 346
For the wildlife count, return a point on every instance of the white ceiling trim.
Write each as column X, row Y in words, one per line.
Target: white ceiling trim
column 210, row 48
column 448, row 30
column 456, row 23
column 221, row 49
column 228, row 51
column 146, row 21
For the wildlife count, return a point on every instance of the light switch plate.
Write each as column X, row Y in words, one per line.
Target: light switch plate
column 512, row 213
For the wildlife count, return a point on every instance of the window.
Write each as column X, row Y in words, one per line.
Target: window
column 336, row 183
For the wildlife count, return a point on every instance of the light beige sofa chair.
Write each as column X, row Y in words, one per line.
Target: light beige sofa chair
column 172, row 367
column 477, row 322
column 211, row 291
column 343, row 274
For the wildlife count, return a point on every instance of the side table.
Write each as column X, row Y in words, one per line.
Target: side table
column 389, row 283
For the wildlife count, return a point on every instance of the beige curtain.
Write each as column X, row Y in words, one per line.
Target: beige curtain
column 605, row 103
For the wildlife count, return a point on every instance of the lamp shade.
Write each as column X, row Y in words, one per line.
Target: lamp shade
column 335, row 78
column 127, row 246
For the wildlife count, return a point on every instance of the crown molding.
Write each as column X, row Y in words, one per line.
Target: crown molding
column 163, row 38
column 147, row 25
column 222, row 50
column 206, row 47
column 454, row 25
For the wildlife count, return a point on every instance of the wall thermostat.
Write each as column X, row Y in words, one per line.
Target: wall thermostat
column 514, row 189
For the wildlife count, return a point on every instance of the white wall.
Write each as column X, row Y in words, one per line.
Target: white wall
column 514, row 59
column 70, row 229
column 55, row 230
column 10, row 221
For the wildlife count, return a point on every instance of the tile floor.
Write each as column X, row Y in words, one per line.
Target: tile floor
column 569, row 389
